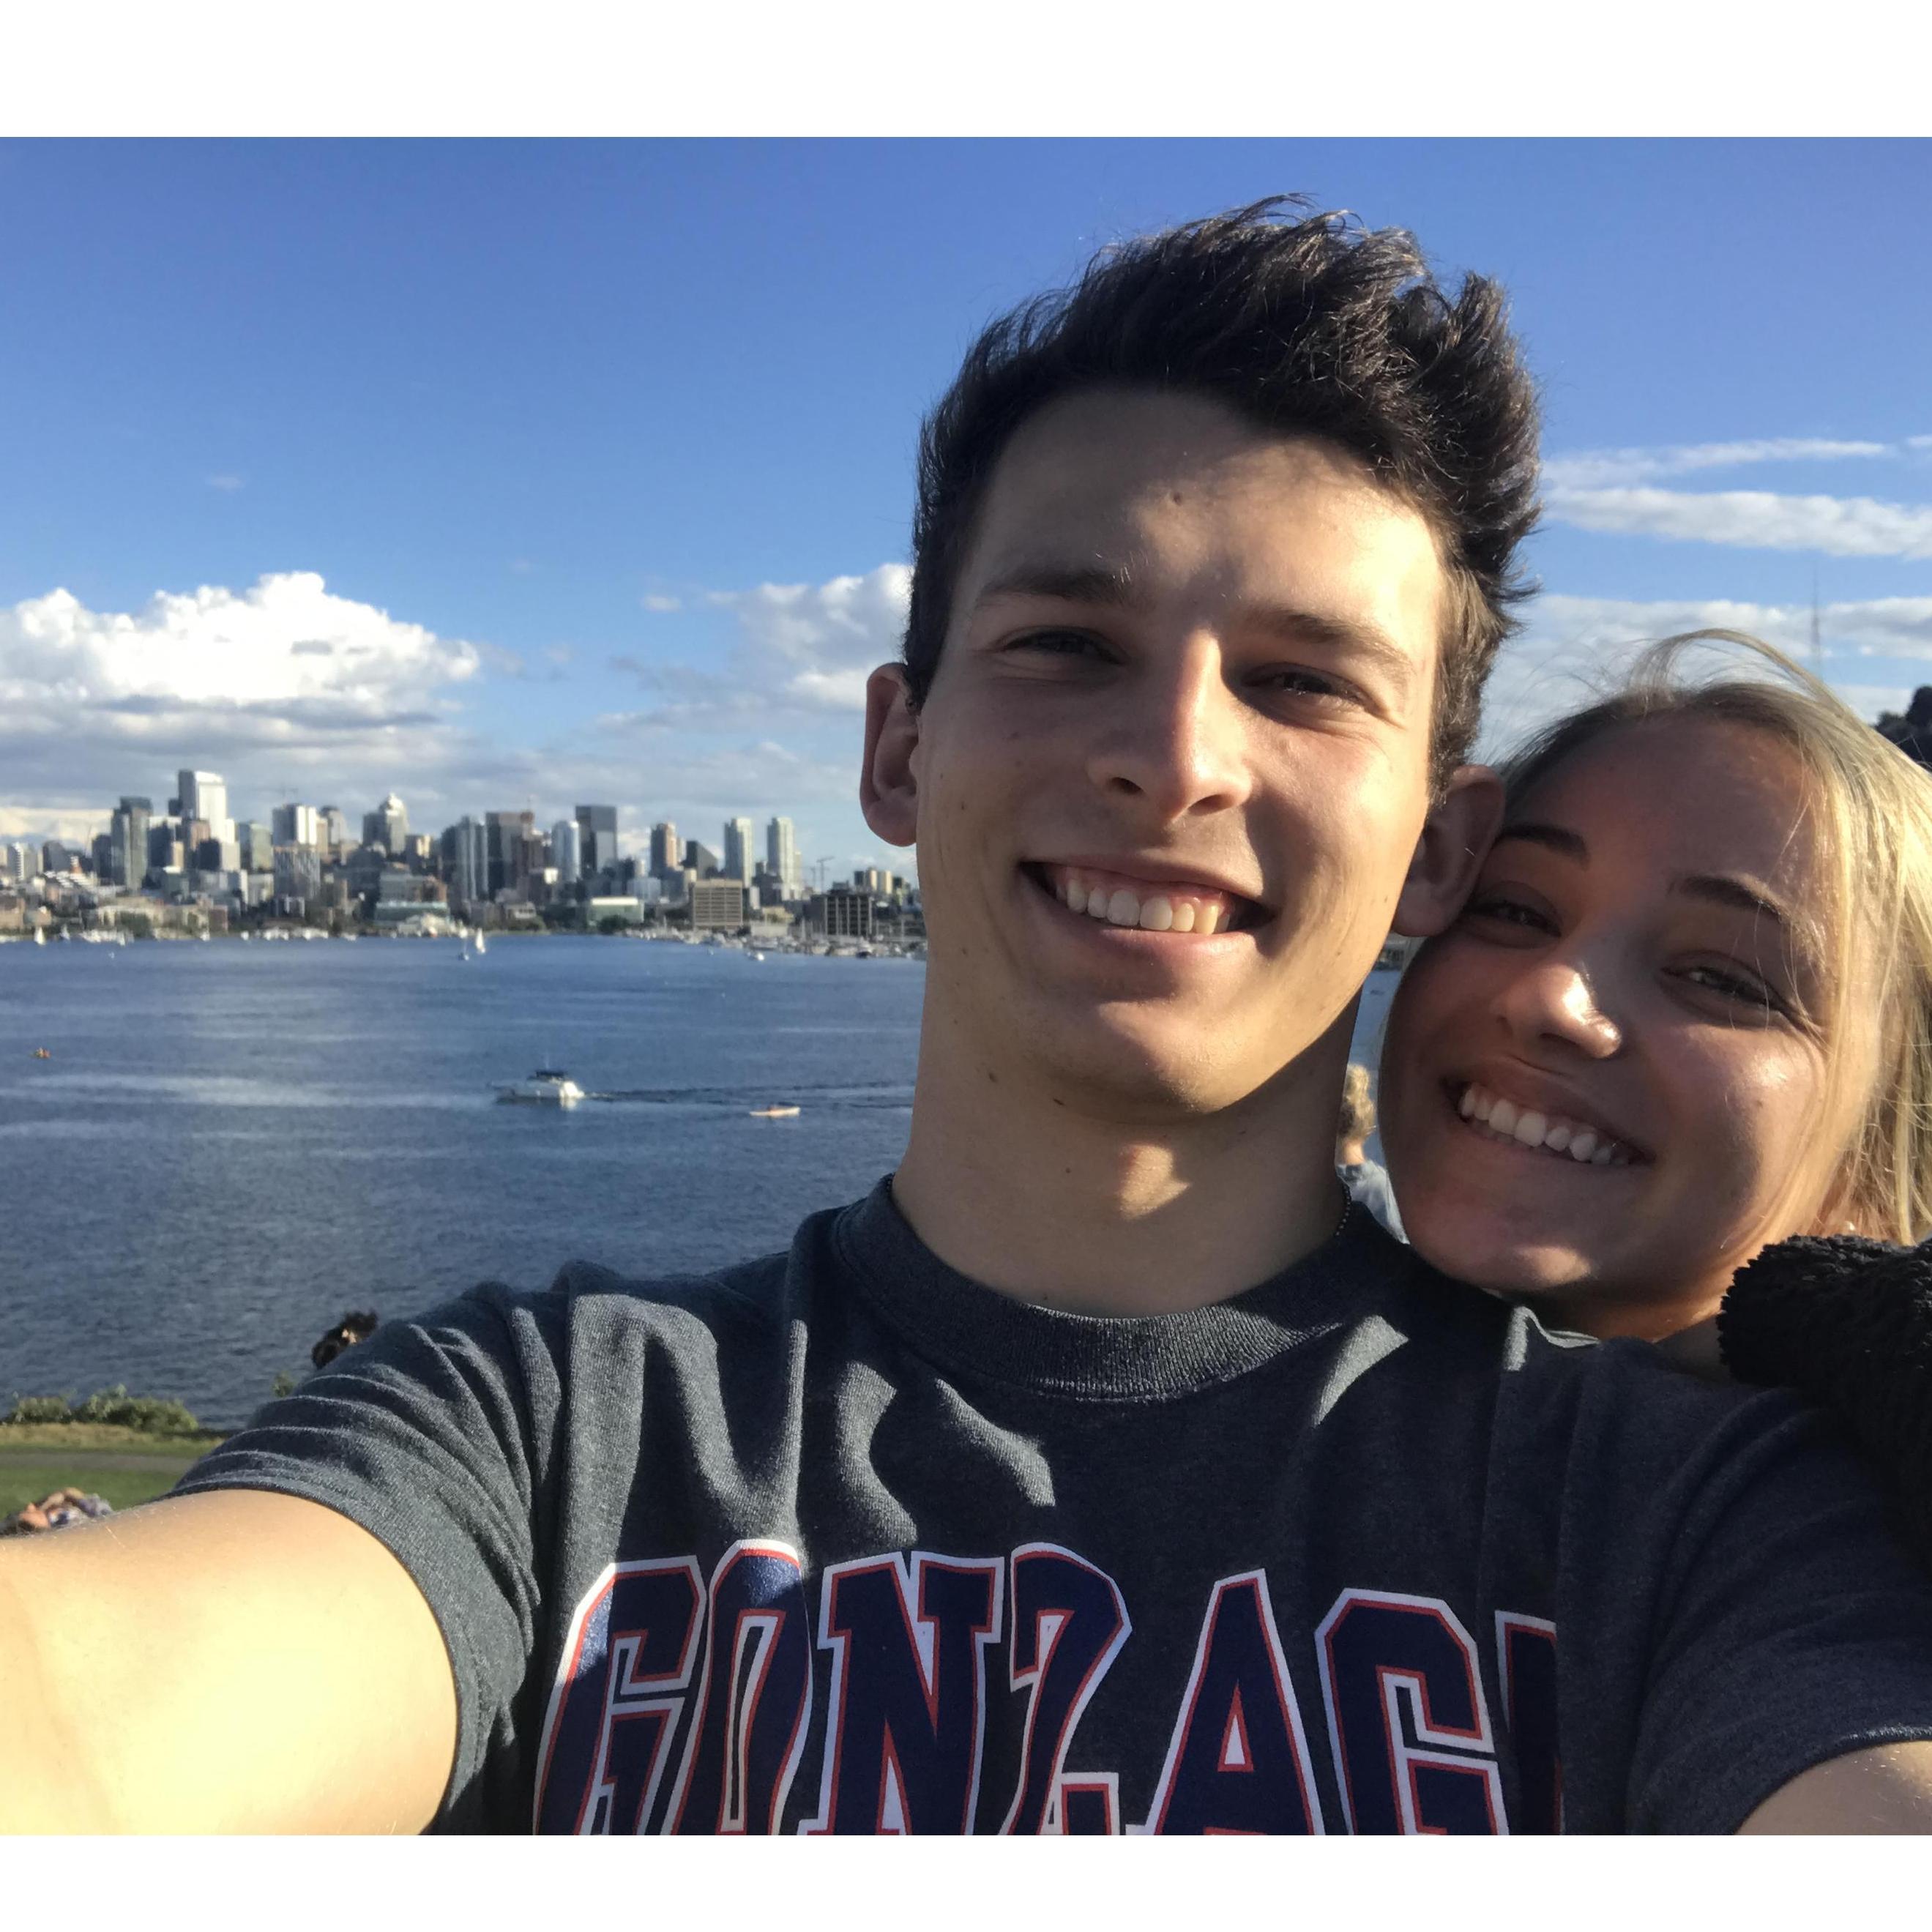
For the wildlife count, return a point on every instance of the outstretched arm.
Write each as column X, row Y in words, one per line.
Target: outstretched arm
column 229, row 1661
column 1887, row 1790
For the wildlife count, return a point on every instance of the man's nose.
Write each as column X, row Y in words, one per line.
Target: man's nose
column 1177, row 737
column 1556, row 999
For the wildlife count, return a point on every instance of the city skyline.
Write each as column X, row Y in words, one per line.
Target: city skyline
column 352, row 499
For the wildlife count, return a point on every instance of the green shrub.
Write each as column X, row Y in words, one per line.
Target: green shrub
column 39, row 1408
column 152, row 1415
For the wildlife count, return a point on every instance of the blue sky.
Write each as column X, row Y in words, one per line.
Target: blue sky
column 508, row 473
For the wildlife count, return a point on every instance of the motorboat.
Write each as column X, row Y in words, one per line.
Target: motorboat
column 547, row 1086
column 773, row 1113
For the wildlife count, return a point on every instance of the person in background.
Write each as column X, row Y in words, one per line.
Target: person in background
column 1365, row 1179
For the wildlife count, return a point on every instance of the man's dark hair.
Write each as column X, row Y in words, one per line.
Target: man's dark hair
column 1311, row 326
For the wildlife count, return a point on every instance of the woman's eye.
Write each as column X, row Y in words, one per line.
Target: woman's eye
column 1507, row 912
column 1739, row 987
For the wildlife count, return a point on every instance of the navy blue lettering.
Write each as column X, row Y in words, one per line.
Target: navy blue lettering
column 908, row 1702
column 1406, row 1717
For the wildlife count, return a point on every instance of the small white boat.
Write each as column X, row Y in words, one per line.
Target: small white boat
column 547, row 1086
column 773, row 1113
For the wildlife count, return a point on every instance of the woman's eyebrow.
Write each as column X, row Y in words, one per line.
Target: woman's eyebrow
column 1558, row 839
column 1728, row 888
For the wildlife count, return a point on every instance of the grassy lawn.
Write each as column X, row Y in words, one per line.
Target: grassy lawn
column 122, row 1465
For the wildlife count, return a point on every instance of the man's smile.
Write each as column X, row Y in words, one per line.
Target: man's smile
column 1170, row 904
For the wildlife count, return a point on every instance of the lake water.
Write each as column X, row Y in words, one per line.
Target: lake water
column 232, row 1145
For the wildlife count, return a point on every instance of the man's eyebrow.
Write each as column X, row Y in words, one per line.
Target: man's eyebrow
column 1558, row 839
column 1069, row 583
column 1113, row 585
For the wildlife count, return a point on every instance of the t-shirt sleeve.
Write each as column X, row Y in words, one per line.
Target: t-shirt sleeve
column 430, row 1436
column 1791, row 1627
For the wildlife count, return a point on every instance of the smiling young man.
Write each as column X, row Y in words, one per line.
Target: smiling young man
column 1102, row 1470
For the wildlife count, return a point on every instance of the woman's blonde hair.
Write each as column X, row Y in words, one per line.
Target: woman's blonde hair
column 1873, row 807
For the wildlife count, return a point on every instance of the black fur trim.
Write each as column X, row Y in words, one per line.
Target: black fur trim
column 1847, row 1322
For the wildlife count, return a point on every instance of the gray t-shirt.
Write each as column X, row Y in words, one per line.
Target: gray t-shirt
column 840, row 1540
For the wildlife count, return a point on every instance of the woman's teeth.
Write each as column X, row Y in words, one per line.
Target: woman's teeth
column 1504, row 1121
column 1171, row 910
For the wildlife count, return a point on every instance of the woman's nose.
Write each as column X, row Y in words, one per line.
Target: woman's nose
column 1557, row 1000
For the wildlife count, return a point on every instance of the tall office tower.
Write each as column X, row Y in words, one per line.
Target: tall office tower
column 738, row 861
column 204, row 795
column 257, row 845
column 334, row 827
column 387, row 826
column 295, row 825
column 506, row 831
column 781, row 854
column 566, row 851
column 665, row 857
column 127, row 831
column 468, row 858
column 700, row 859
column 599, row 827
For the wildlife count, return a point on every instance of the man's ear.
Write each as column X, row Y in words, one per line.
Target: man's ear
column 1455, row 837
column 888, row 790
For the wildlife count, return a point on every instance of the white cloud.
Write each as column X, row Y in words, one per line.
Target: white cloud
column 226, row 481
column 803, row 653
column 1573, row 649
column 1918, row 442
column 1751, row 519
column 849, row 623
column 654, row 600
column 1597, row 468
column 95, row 702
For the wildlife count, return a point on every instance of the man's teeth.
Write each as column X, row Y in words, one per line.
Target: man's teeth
column 1505, row 1120
column 1159, row 912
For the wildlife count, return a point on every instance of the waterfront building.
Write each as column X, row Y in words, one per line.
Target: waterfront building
column 298, row 874
column 700, row 859
column 782, row 856
column 665, row 857
column 843, row 912
column 387, row 826
column 127, row 836
column 738, row 862
column 598, row 825
column 566, row 851
column 719, row 905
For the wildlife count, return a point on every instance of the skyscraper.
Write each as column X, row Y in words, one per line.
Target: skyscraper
column 737, row 849
column 469, row 861
column 781, row 854
column 666, row 858
column 566, row 851
column 387, row 826
column 599, row 827
column 295, row 824
column 505, row 832
column 204, row 796
column 127, row 836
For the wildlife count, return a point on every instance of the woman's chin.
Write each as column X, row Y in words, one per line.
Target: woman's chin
column 1518, row 1267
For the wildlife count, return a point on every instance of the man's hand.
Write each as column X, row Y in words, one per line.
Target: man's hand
column 1887, row 1789
column 230, row 1661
